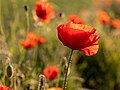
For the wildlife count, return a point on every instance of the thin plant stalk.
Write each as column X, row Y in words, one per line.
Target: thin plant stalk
column 13, row 26
column 57, row 83
column 14, row 83
column 66, row 70
column 13, row 35
column 4, row 75
column 27, row 18
column 23, row 54
column 1, row 28
column 2, row 32
column 14, row 78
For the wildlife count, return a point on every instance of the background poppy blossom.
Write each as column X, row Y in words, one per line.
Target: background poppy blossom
column 26, row 44
column 104, row 17
column 74, row 18
column 79, row 37
column 44, row 11
column 116, row 23
column 32, row 40
column 55, row 88
column 51, row 72
column 2, row 87
column 32, row 36
column 40, row 40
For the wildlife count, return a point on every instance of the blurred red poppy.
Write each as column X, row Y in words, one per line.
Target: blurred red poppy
column 51, row 72
column 117, row 2
column 40, row 40
column 26, row 44
column 116, row 23
column 104, row 17
column 32, row 36
column 79, row 37
column 44, row 11
column 2, row 87
column 55, row 88
column 75, row 19
column 32, row 40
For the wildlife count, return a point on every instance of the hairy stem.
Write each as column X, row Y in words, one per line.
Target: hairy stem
column 66, row 71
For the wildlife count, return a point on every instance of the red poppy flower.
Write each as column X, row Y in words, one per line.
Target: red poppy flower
column 40, row 40
column 32, row 40
column 51, row 72
column 55, row 88
column 26, row 44
column 75, row 19
column 2, row 87
column 104, row 17
column 79, row 37
column 117, row 2
column 116, row 23
column 44, row 11
column 32, row 36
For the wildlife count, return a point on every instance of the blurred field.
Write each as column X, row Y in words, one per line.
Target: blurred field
column 98, row 72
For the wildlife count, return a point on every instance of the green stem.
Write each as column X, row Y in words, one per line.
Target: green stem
column 23, row 55
column 14, row 78
column 66, row 71
column 12, row 38
column 58, row 79
column 28, row 21
column 36, row 58
column 4, row 76
column 1, row 28
column 14, row 83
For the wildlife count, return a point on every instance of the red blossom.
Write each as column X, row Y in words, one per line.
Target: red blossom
column 40, row 40
column 44, row 11
column 2, row 87
column 116, row 23
column 79, row 37
column 32, row 36
column 75, row 19
column 55, row 88
column 26, row 44
column 32, row 40
column 104, row 17
column 117, row 2
column 51, row 72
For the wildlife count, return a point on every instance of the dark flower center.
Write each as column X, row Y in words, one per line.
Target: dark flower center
column 42, row 14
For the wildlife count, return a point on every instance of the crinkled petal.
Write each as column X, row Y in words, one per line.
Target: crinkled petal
column 91, row 50
column 82, row 27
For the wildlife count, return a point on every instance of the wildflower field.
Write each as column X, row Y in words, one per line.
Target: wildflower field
column 59, row 45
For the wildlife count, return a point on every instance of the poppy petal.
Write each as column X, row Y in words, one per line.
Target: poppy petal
column 91, row 50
